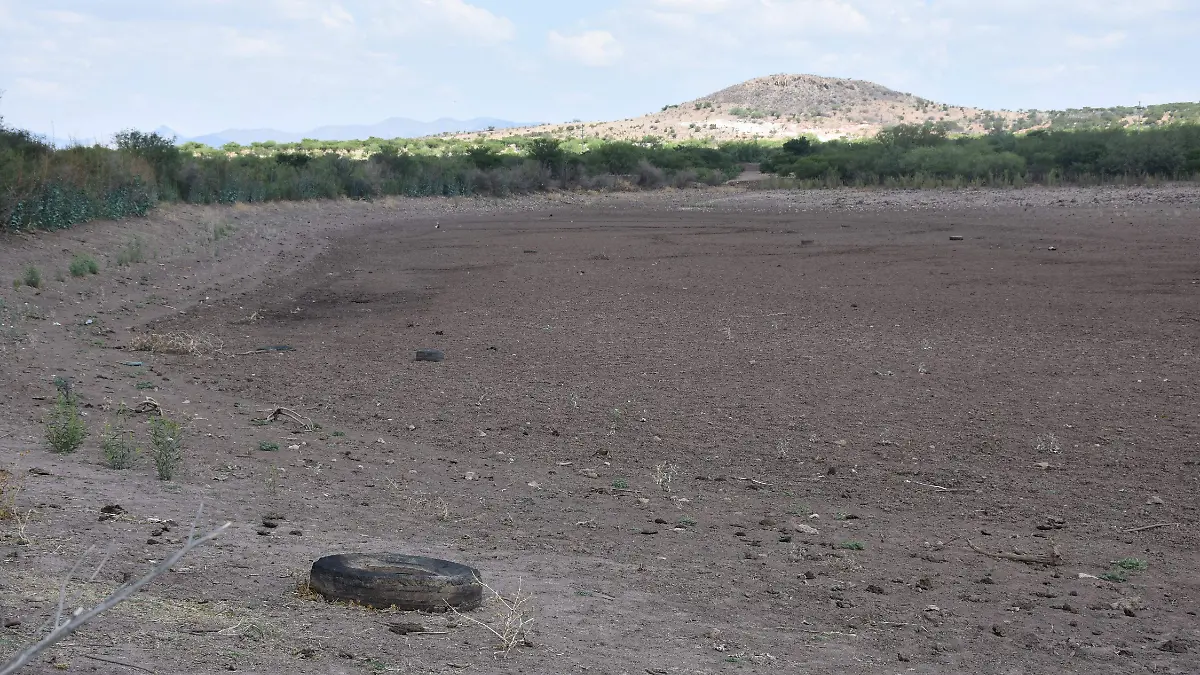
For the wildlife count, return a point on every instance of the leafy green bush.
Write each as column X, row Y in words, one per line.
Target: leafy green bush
column 83, row 265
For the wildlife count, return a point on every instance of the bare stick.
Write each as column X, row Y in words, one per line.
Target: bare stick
column 117, row 663
column 1152, row 527
column 81, row 616
column 938, row 488
column 1052, row 559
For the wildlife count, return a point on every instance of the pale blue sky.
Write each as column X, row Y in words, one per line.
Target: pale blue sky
column 92, row 67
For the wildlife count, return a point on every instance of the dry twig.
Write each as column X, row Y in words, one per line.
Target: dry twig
column 1053, row 558
column 287, row 413
column 79, row 617
column 1152, row 527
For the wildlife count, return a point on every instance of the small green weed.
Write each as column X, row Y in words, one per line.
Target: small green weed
column 339, row 434
column 1115, row 576
column 166, row 440
column 852, row 546
column 621, row 484
column 268, row 446
column 65, row 429
column 83, row 265
column 145, row 385
column 133, row 252
column 1132, row 564
column 687, row 522
column 32, row 278
column 222, row 230
column 116, row 442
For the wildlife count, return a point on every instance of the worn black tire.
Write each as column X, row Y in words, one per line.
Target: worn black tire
column 383, row 580
column 430, row 355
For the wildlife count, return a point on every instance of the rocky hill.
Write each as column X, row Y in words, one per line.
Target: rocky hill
column 784, row 106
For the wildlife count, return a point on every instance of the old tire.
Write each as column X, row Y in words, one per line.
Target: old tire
column 434, row 355
column 383, row 580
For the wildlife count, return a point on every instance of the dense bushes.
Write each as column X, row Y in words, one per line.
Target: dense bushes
column 926, row 154
column 44, row 187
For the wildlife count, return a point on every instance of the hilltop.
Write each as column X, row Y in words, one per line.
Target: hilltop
column 783, row 106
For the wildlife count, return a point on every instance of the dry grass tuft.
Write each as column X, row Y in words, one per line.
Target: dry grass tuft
column 182, row 342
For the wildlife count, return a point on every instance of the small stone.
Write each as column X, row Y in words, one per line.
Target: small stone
column 263, row 532
column 1155, row 500
column 901, row 657
column 766, row 522
column 660, row 521
column 925, row 584
column 470, row 475
column 649, row 530
column 589, row 473
column 643, row 501
column 997, row 630
column 785, row 539
column 270, row 524
column 810, row 575
column 804, row 528
column 1174, row 646
column 876, row 589
column 956, row 237
column 296, row 532
column 406, row 628
column 12, row 623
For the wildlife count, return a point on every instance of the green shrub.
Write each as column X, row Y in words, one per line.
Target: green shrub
column 82, row 265
column 65, row 430
column 133, row 252
column 32, row 277
column 166, row 442
column 116, row 443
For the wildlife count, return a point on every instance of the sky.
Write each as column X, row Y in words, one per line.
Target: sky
column 88, row 68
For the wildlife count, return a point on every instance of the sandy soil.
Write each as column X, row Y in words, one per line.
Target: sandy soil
column 709, row 431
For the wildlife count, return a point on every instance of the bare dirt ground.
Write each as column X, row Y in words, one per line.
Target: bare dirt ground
column 709, row 431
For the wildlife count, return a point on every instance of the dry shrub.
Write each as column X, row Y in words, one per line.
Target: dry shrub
column 510, row 618
column 649, row 176
column 9, row 487
column 181, row 342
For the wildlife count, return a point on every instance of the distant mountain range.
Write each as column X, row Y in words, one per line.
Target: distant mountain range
column 395, row 127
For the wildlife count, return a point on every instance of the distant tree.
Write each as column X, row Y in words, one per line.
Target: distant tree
column 799, row 146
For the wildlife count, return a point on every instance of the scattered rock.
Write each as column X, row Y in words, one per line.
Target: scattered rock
column 264, row 532
column 805, row 528
column 766, row 522
column 1174, row 646
column 876, row 589
column 12, row 622
column 1128, row 606
column 589, row 473
column 270, row 524
column 1155, row 500
column 433, row 355
column 39, row 471
column 997, row 630
column 471, row 475
column 649, row 530
column 111, row 512
column 296, row 532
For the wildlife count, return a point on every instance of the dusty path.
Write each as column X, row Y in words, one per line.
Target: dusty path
column 652, row 393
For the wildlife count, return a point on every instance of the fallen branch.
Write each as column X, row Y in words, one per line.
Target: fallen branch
column 117, row 663
column 1054, row 558
column 268, row 350
column 149, row 406
column 938, row 488
column 276, row 413
column 1152, row 527
column 80, row 616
